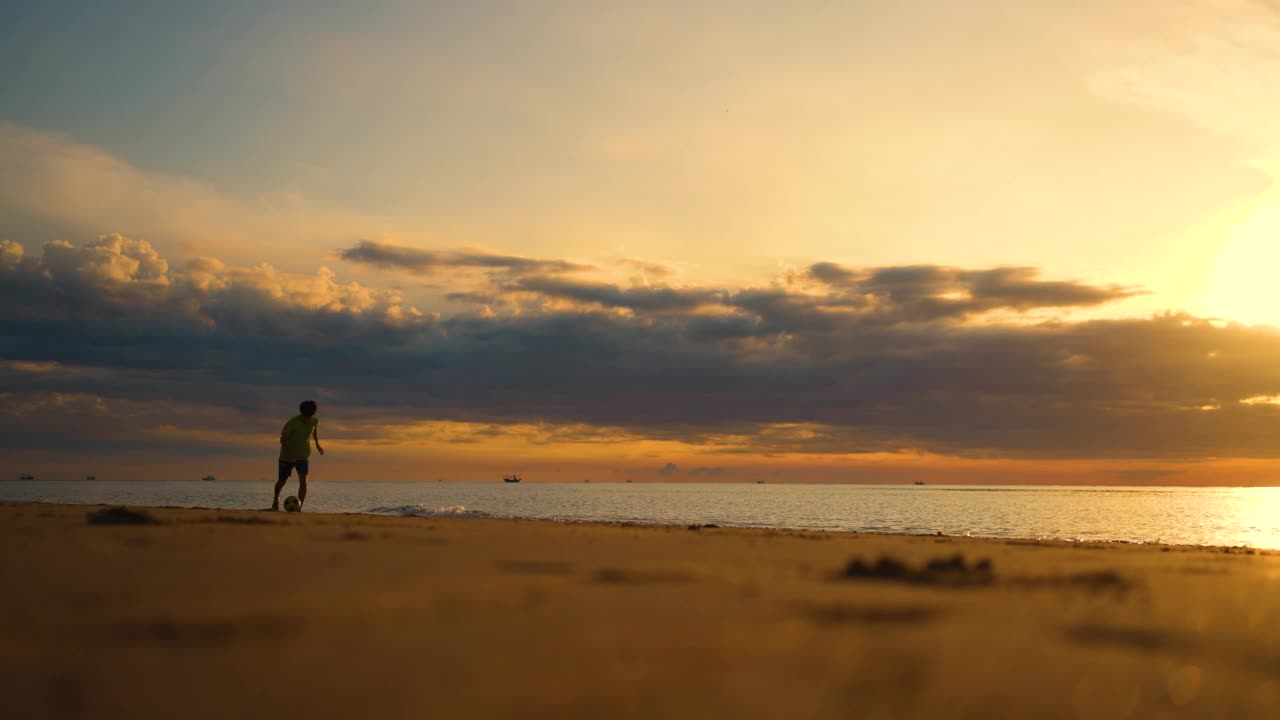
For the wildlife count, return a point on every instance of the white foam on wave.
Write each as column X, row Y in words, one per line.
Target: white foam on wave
column 421, row 510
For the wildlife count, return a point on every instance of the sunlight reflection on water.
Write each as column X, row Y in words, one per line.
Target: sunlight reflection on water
column 1206, row 516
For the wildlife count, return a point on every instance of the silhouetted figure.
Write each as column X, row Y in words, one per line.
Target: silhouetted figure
column 295, row 449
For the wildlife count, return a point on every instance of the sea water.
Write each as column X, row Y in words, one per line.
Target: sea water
column 1203, row 516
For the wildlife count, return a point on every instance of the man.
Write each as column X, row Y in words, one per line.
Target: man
column 295, row 450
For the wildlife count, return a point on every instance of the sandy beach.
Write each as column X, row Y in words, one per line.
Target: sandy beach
column 216, row 614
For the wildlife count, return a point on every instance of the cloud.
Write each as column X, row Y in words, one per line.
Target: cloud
column 928, row 292
column 420, row 261
column 1216, row 68
column 607, row 295
column 114, row 303
column 669, row 469
column 845, row 362
column 54, row 187
column 916, row 293
column 649, row 271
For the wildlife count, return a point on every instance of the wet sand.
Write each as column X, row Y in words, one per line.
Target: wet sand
column 220, row 614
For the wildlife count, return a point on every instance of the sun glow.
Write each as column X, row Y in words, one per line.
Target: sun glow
column 1243, row 282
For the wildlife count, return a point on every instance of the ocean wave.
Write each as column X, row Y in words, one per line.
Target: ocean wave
column 420, row 510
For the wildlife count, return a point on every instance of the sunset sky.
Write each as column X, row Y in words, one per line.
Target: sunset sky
column 660, row 241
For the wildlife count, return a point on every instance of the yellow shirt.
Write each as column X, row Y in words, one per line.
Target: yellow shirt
column 295, row 438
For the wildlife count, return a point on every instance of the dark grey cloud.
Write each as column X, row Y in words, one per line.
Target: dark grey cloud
column 635, row 298
column 420, row 261
column 931, row 292
column 781, row 369
column 834, row 274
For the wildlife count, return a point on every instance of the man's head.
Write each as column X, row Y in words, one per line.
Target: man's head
column 308, row 407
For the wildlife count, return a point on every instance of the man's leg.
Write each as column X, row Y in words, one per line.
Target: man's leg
column 302, row 490
column 285, row 469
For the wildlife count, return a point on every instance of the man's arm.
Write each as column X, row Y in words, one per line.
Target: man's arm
column 315, row 433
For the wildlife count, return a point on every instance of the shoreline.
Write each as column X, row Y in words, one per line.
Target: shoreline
column 250, row 613
column 474, row 515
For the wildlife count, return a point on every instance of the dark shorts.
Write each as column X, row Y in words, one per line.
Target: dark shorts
column 287, row 467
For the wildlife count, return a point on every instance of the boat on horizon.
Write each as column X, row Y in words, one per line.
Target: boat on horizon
column 208, row 478
column 511, row 478
column 26, row 476
column 90, row 477
column 919, row 482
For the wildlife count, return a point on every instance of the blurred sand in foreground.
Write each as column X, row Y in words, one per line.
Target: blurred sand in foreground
column 221, row 614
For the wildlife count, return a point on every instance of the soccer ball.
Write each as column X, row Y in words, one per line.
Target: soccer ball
column 292, row 504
